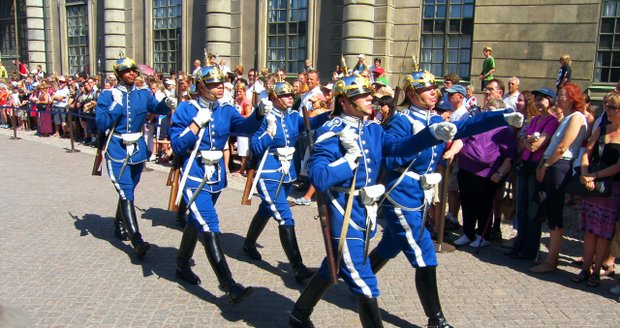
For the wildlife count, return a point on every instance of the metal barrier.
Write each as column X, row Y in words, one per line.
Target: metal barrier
column 40, row 109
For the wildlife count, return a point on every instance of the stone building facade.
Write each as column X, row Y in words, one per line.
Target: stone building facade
column 527, row 36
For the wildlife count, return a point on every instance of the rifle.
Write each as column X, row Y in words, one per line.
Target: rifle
column 173, row 182
column 323, row 214
column 251, row 164
column 101, row 140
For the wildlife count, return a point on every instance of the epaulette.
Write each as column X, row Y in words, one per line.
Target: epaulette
column 333, row 123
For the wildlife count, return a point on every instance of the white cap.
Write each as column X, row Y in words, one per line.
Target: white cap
column 170, row 82
column 228, row 85
column 361, row 56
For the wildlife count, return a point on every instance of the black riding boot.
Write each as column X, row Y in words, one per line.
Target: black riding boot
column 288, row 239
column 181, row 220
column 369, row 313
column 376, row 262
column 119, row 229
column 300, row 317
column 256, row 228
column 186, row 251
column 235, row 291
column 131, row 224
column 426, row 284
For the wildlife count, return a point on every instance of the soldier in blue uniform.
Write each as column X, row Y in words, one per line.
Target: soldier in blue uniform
column 199, row 131
column 122, row 111
column 348, row 149
column 275, row 140
column 410, row 180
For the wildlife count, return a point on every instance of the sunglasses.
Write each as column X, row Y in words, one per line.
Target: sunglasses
column 608, row 106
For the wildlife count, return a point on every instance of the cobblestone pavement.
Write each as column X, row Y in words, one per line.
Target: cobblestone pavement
column 62, row 266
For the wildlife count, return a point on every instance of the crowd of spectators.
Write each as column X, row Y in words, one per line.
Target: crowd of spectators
column 535, row 162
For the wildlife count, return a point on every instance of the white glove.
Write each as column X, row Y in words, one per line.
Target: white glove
column 271, row 125
column 444, row 131
column 203, row 117
column 264, row 107
column 117, row 96
column 348, row 140
column 171, row 102
column 515, row 119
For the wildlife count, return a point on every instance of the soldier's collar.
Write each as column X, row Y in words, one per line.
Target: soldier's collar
column 350, row 120
column 123, row 87
column 280, row 112
column 420, row 112
column 206, row 103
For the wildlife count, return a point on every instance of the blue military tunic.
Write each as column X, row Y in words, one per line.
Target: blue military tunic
column 128, row 117
column 404, row 204
column 226, row 121
column 331, row 173
column 289, row 124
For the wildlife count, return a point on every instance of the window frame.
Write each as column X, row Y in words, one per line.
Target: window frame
column 75, row 43
column 449, row 36
column 281, row 19
column 604, row 65
column 167, row 39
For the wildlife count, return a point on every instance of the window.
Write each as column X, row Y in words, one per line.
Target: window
column 607, row 66
column 447, row 28
column 7, row 30
column 77, row 37
column 287, row 25
column 166, row 34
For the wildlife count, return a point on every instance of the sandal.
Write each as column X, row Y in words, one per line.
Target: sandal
column 607, row 271
column 593, row 281
column 581, row 277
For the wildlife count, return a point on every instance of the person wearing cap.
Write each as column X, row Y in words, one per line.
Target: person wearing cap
column 123, row 110
column 488, row 67
column 533, row 144
column 274, row 144
column 350, row 148
column 410, row 183
column 361, row 65
column 456, row 97
column 199, row 132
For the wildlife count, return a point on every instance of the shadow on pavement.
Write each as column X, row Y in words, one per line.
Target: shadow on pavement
column 272, row 309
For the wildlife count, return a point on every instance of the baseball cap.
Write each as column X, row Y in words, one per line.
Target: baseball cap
column 362, row 56
column 545, row 92
column 378, row 70
column 457, row 89
column 444, row 104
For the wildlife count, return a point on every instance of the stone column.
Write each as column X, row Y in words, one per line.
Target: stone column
column 358, row 29
column 35, row 21
column 114, row 32
column 218, row 31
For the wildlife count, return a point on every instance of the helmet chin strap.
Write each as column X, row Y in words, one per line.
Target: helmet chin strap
column 356, row 107
column 279, row 103
column 422, row 102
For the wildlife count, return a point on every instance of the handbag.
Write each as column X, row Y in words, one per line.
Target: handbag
column 602, row 186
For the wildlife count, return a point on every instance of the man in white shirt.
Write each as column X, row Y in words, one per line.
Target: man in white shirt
column 456, row 97
column 60, row 101
column 314, row 90
column 254, row 85
column 513, row 93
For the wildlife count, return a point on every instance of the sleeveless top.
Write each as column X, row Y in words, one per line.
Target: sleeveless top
column 610, row 156
column 573, row 151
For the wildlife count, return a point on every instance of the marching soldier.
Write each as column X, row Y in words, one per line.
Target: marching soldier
column 275, row 140
column 344, row 165
column 410, row 181
column 199, row 131
column 122, row 111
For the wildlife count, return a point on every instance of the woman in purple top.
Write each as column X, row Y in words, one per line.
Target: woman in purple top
column 532, row 144
column 484, row 161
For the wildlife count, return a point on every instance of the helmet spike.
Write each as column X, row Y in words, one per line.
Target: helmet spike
column 416, row 67
column 345, row 68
